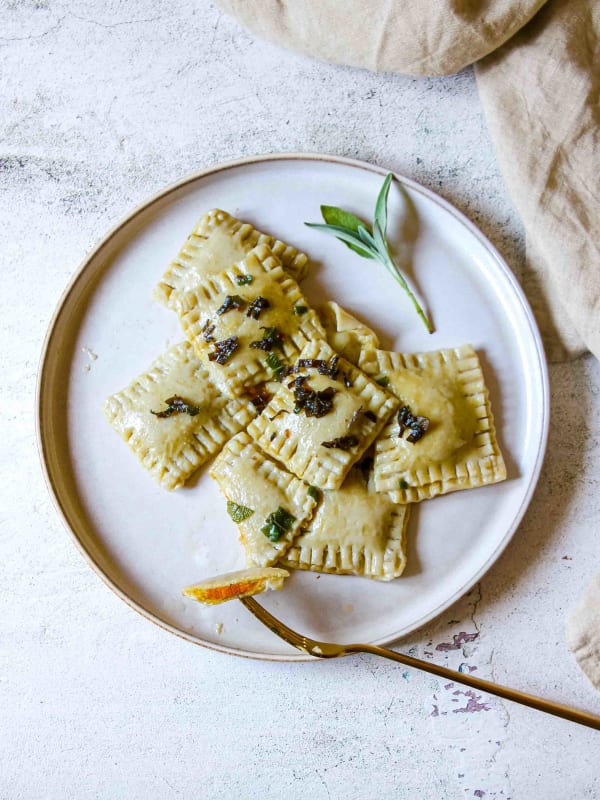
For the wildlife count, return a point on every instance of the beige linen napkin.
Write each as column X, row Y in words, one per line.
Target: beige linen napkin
column 419, row 37
column 583, row 632
column 540, row 93
column 539, row 81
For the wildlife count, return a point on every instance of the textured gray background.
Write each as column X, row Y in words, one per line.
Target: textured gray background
column 103, row 103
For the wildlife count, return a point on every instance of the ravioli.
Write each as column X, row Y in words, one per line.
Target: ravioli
column 259, row 492
column 243, row 330
column 459, row 449
column 321, row 447
column 347, row 335
column 234, row 585
column 171, row 445
column 355, row 531
column 217, row 241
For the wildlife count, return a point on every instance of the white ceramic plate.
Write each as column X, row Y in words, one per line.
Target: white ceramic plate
column 147, row 543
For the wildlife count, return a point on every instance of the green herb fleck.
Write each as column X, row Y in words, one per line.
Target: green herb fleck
column 277, row 524
column 383, row 380
column 244, row 280
column 238, row 513
column 402, row 484
column 300, row 310
column 276, row 365
column 314, row 493
column 369, row 242
column 176, row 405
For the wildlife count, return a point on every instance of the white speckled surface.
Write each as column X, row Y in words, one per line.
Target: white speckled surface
column 103, row 104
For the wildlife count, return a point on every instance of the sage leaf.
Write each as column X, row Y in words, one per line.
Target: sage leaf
column 348, row 237
column 379, row 237
column 353, row 232
column 337, row 216
column 345, row 219
column 380, row 216
column 366, row 237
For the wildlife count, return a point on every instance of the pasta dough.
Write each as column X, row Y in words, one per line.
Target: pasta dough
column 306, row 445
column 257, row 488
column 355, row 530
column 269, row 304
column 172, row 448
column 348, row 336
column 459, row 449
column 218, row 241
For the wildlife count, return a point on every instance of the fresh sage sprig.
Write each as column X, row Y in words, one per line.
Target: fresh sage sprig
column 368, row 242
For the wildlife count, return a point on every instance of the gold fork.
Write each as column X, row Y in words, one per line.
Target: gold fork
column 328, row 650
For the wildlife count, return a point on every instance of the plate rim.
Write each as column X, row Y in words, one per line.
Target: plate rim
column 127, row 219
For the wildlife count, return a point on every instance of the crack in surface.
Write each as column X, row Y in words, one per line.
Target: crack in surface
column 53, row 28
column 115, row 24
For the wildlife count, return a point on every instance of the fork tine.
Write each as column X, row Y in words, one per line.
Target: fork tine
column 276, row 626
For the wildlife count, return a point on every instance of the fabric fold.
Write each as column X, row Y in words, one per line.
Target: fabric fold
column 583, row 632
column 540, row 94
column 417, row 37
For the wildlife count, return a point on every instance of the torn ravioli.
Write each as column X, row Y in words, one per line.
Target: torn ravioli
column 234, row 585
column 355, row 531
column 172, row 439
column 323, row 418
column 268, row 504
column 244, row 333
column 347, row 335
column 458, row 449
column 217, row 241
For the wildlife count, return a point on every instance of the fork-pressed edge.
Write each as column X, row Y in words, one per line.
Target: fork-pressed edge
column 318, row 649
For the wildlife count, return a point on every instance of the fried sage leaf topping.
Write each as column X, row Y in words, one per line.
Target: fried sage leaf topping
column 256, row 307
column 232, row 301
column 176, row 405
column 224, row 350
column 416, row 425
column 343, row 443
column 272, row 339
column 313, row 403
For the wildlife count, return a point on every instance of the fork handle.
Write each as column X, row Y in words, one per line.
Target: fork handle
column 539, row 703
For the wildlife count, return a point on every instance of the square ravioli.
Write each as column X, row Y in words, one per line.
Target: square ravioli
column 217, row 241
column 173, row 417
column 323, row 418
column 347, row 335
column 247, row 322
column 268, row 504
column 355, row 531
column 456, row 448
